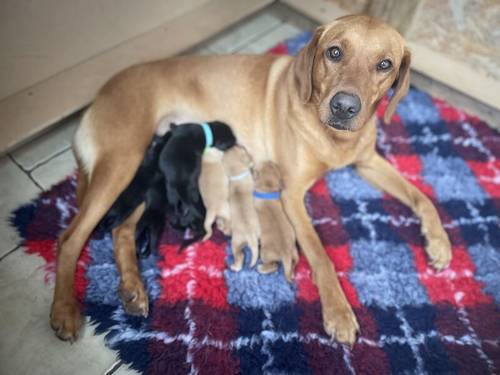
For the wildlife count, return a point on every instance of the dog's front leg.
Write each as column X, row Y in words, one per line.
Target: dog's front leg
column 339, row 320
column 384, row 176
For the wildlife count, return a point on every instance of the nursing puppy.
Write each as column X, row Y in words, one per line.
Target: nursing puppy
column 152, row 222
column 136, row 191
column 214, row 189
column 277, row 237
column 244, row 221
column 174, row 192
column 180, row 163
column 148, row 187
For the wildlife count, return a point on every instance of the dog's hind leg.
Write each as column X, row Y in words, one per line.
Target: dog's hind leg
column 131, row 289
column 82, row 180
column 110, row 176
column 81, row 187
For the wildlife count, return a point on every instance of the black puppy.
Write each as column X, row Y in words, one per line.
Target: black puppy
column 152, row 222
column 167, row 181
column 135, row 193
column 180, row 162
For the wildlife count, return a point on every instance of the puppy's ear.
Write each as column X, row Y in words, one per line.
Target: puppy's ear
column 402, row 85
column 303, row 66
column 282, row 183
column 256, row 173
column 246, row 157
column 277, row 175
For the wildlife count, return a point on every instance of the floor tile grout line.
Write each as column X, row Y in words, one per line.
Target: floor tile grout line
column 114, row 367
column 43, row 162
column 10, row 252
column 28, row 173
column 256, row 37
column 237, row 28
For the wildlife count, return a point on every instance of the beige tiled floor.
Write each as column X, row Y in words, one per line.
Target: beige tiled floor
column 27, row 345
column 16, row 187
column 47, row 146
column 51, row 172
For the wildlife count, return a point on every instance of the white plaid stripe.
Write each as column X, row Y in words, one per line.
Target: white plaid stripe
column 190, row 285
column 266, row 334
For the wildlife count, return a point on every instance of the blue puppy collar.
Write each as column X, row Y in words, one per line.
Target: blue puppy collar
column 209, row 137
column 272, row 196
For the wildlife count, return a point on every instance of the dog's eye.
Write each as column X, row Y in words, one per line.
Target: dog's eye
column 384, row 65
column 334, row 53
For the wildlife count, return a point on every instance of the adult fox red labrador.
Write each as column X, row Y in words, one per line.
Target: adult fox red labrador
column 309, row 114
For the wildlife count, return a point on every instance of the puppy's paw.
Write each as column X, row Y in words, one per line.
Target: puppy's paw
column 223, row 225
column 238, row 256
column 341, row 325
column 439, row 251
column 236, row 267
column 65, row 320
column 266, row 268
column 208, row 234
column 134, row 299
column 289, row 263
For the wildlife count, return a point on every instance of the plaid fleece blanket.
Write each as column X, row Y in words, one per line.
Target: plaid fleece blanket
column 207, row 319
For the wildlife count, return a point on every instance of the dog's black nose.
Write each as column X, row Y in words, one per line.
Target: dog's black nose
column 345, row 106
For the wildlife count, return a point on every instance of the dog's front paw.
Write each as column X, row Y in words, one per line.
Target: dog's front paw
column 65, row 319
column 134, row 298
column 439, row 251
column 341, row 324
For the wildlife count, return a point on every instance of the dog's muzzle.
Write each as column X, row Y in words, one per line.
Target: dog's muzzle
column 344, row 107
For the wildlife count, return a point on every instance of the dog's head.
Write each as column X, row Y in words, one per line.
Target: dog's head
column 348, row 66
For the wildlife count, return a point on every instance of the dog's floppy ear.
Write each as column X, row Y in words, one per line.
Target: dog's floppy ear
column 402, row 85
column 303, row 66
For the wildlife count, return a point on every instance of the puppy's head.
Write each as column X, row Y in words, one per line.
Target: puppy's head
column 223, row 135
column 155, row 147
column 348, row 66
column 267, row 177
column 237, row 159
column 212, row 155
